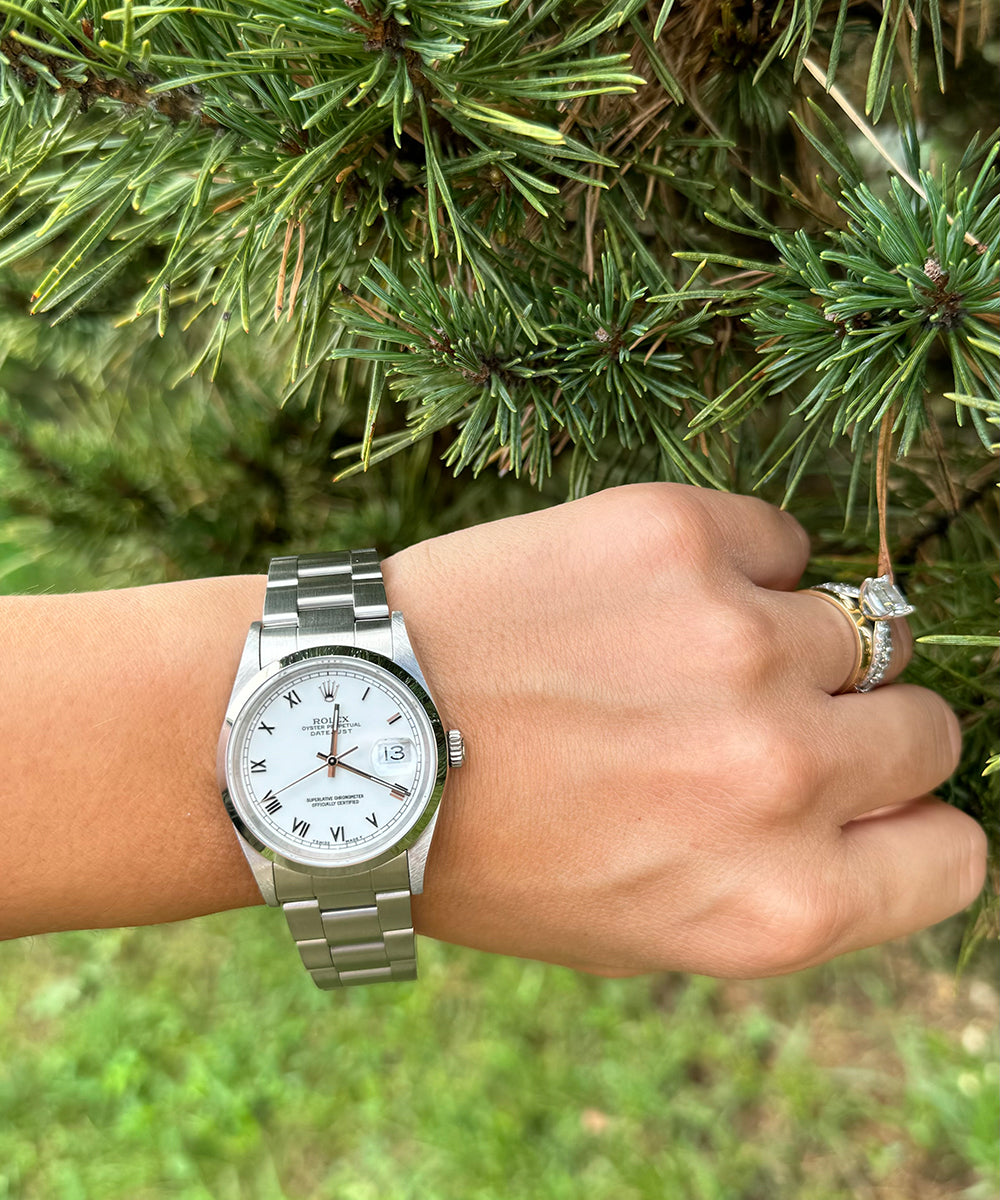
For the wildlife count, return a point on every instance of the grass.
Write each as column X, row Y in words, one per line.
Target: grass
column 195, row 1061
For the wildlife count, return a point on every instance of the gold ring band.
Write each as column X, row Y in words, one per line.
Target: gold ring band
column 862, row 632
column 871, row 609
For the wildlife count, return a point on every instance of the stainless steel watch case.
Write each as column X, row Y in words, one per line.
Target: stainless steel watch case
column 250, row 678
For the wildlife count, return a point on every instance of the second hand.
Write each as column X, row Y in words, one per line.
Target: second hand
column 326, row 762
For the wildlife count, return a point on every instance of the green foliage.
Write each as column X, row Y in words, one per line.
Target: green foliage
column 272, row 115
column 514, row 373
column 858, row 325
column 104, row 485
column 195, row 1061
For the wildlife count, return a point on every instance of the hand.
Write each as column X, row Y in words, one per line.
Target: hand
column 659, row 775
column 332, row 768
column 328, row 761
column 397, row 789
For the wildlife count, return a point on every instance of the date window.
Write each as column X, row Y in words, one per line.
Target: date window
column 392, row 754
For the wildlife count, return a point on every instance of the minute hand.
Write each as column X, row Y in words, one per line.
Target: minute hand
column 394, row 787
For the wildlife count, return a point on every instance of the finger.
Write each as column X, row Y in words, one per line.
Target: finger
column 823, row 641
column 767, row 544
column 908, row 869
column 888, row 745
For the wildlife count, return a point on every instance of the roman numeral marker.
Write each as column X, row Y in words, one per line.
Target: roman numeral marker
column 258, row 766
column 293, row 698
column 399, row 793
column 365, row 696
column 338, row 833
column 300, row 827
column 393, row 720
column 266, row 728
column 271, row 803
column 373, row 820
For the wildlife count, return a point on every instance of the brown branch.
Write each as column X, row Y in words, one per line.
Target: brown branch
column 882, row 491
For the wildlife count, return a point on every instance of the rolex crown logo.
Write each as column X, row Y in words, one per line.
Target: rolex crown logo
column 329, row 690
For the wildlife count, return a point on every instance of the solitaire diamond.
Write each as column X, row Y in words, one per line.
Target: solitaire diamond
column 880, row 600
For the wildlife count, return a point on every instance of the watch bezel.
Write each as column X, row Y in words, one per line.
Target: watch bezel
column 246, row 695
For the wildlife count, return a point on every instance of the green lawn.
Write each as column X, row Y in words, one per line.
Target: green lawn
column 197, row 1061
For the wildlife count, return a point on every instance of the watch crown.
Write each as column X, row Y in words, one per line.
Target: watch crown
column 456, row 748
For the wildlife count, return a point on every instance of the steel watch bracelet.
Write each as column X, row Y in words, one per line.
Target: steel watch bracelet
column 350, row 929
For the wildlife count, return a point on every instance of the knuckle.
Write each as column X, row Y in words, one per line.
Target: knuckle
column 749, row 637
column 672, row 520
column 796, row 772
column 942, row 735
column 782, row 773
column 950, row 736
column 802, row 925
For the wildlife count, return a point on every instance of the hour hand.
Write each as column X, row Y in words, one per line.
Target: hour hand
column 334, row 760
column 332, row 768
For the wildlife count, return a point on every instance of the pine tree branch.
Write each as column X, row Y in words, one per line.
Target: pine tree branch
column 977, row 490
column 874, row 140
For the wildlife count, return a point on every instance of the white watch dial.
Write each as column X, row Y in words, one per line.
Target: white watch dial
column 331, row 761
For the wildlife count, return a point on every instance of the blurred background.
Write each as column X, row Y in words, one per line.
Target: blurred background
column 195, row 1061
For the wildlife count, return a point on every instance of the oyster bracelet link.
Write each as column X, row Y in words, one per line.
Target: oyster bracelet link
column 331, row 762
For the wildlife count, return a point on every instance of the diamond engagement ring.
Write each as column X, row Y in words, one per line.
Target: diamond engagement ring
column 870, row 608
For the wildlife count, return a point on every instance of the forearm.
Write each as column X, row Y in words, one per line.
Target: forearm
column 110, row 707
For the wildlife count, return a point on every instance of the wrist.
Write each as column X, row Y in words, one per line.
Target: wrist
column 110, row 714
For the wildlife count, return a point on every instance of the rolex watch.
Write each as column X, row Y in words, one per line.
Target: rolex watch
column 331, row 762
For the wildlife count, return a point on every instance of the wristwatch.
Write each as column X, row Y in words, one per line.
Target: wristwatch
column 331, row 762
